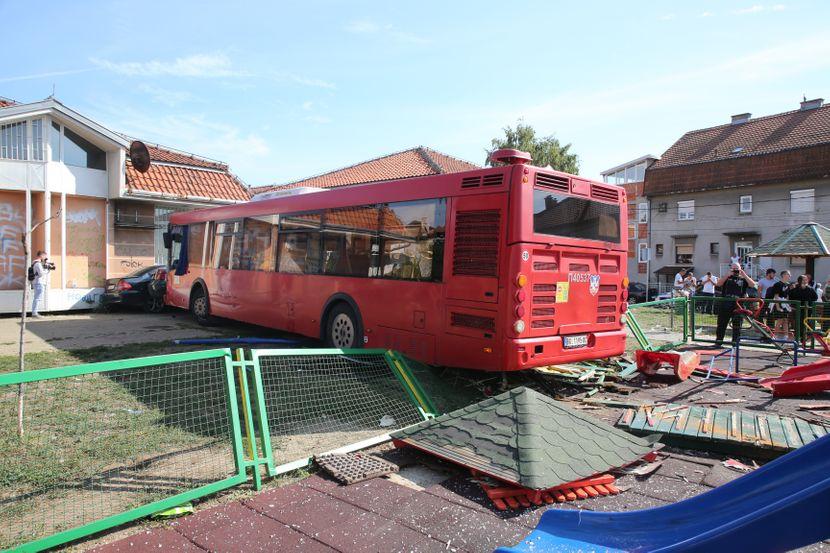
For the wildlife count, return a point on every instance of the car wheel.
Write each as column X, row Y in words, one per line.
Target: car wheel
column 343, row 330
column 153, row 305
column 200, row 306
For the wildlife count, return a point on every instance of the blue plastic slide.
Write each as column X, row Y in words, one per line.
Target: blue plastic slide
column 781, row 506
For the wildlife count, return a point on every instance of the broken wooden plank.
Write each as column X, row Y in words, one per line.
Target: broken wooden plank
column 776, row 431
column 804, row 430
column 790, row 431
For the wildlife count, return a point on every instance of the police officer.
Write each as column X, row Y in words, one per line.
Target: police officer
column 734, row 285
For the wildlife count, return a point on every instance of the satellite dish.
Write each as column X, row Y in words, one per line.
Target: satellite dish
column 140, row 156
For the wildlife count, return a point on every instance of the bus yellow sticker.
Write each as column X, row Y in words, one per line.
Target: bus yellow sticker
column 562, row 292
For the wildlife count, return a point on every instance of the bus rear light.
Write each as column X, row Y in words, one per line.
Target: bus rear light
column 520, row 311
column 519, row 326
column 487, row 350
column 524, row 179
column 521, row 296
column 624, row 295
column 521, row 281
column 624, row 307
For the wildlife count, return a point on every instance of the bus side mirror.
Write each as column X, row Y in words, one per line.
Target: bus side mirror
column 168, row 240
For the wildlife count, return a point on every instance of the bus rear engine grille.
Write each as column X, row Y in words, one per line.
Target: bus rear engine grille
column 544, row 266
column 473, row 321
column 543, row 323
column 476, row 250
column 602, row 193
column 553, row 181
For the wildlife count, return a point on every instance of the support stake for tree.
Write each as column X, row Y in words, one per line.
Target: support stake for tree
column 25, row 237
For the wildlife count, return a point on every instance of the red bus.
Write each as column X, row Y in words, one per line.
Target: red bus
column 496, row 269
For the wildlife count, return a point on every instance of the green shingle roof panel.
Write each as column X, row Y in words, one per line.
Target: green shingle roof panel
column 806, row 239
column 525, row 437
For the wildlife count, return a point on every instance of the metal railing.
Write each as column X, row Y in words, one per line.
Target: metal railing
column 660, row 324
column 107, row 443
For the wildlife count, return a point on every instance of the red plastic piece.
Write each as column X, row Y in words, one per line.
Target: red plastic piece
column 811, row 378
column 504, row 497
column 683, row 363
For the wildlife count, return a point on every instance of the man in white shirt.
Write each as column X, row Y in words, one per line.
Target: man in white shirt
column 39, row 269
column 678, row 282
column 708, row 281
column 766, row 283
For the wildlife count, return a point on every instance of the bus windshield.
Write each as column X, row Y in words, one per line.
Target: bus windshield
column 573, row 217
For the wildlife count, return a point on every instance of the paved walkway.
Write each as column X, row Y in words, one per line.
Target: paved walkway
column 91, row 329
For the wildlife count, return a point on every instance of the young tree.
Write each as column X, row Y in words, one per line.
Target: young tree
column 545, row 150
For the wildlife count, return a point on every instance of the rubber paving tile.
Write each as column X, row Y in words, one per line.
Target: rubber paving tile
column 313, row 513
column 484, row 532
column 210, row 519
column 277, row 497
column 161, row 539
column 370, row 532
column 254, row 532
column 377, row 495
column 430, row 515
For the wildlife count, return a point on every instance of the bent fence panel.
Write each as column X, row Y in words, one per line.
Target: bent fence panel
column 660, row 324
column 783, row 317
column 315, row 401
column 108, row 443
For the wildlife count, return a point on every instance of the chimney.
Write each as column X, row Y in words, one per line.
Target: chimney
column 741, row 118
column 812, row 104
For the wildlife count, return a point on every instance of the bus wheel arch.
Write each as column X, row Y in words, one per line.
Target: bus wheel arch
column 341, row 316
column 200, row 302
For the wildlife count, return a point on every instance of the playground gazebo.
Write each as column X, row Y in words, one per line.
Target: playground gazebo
column 810, row 240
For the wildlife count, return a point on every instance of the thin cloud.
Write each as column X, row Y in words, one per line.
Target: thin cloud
column 758, row 8
column 170, row 98
column 707, row 14
column 198, row 65
column 668, row 17
column 319, row 119
column 369, row 27
column 306, row 81
column 44, row 75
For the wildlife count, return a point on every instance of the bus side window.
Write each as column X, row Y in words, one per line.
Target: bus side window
column 196, row 244
column 227, row 245
column 257, row 243
column 412, row 235
column 349, row 235
column 299, row 243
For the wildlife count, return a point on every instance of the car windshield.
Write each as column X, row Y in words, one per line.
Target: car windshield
column 142, row 271
column 561, row 215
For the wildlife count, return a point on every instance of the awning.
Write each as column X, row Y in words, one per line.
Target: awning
column 807, row 240
column 672, row 269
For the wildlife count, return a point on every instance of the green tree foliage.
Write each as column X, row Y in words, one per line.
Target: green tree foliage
column 546, row 150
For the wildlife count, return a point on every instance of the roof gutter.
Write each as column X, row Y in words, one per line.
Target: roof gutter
column 148, row 194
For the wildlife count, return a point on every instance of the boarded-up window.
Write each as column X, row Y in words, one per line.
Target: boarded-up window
column 12, row 224
column 85, row 242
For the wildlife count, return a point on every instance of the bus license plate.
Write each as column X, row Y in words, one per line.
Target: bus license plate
column 577, row 341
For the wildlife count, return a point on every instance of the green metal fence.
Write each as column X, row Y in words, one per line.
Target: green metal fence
column 108, row 443
column 784, row 318
column 656, row 325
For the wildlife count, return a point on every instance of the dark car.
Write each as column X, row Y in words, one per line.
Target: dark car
column 637, row 292
column 142, row 288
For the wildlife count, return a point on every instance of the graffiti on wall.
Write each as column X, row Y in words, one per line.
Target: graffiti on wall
column 12, row 257
column 85, row 243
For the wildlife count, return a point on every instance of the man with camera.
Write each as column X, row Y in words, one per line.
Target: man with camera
column 733, row 285
column 37, row 276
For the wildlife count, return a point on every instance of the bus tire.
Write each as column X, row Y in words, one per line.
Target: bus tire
column 343, row 328
column 200, row 306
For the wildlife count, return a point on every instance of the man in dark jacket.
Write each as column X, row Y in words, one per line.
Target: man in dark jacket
column 734, row 285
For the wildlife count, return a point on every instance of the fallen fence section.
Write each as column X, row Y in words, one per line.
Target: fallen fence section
column 108, row 443
column 658, row 325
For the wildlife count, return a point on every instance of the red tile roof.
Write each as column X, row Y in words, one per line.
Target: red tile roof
column 183, row 175
column 415, row 162
column 764, row 135
column 6, row 102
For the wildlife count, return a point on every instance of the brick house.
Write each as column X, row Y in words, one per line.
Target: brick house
column 414, row 162
column 720, row 191
column 630, row 176
column 111, row 216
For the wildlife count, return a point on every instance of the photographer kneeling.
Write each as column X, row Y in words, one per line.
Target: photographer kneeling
column 37, row 274
column 734, row 285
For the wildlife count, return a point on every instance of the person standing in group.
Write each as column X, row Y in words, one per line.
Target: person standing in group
column 708, row 291
column 679, row 279
column 805, row 295
column 734, row 285
column 766, row 283
column 37, row 276
column 779, row 311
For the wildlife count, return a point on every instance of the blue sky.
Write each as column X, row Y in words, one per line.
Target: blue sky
column 282, row 92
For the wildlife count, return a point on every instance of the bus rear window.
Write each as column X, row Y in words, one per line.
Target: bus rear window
column 574, row 217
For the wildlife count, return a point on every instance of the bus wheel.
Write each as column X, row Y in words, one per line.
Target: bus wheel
column 200, row 306
column 343, row 330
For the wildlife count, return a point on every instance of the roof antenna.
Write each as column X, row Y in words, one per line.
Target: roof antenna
column 804, row 97
column 53, row 91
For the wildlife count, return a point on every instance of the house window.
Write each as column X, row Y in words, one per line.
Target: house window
column 745, row 204
column 80, row 152
column 658, row 250
column 714, row 248
column 662, row 207
column 37, row 139
column 55, row 141
column 683, row 254
column 640, row 172
column 802, row 201
column 642, row 252
column 686, row 210
column 13, row 141
column 642, row 213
